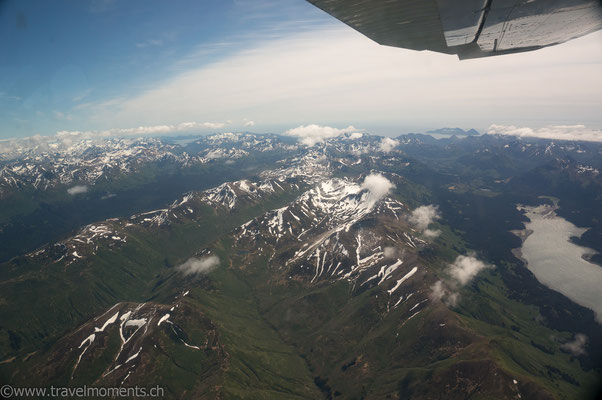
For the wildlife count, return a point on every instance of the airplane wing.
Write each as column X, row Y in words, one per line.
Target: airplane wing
column 468, row 28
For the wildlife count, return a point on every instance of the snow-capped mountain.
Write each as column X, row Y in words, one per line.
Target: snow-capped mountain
column 86, row 162
column 50, row 164
column 113, row 233
column 339, row 229
column 312, row 272
column 334, row 229
column 136, row 330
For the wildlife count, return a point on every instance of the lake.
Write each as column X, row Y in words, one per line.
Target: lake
column 557, row 262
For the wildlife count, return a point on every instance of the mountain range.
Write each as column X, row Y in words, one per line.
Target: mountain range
column 270, row 269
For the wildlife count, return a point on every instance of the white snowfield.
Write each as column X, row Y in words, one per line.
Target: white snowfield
column 322, row 225
column 48, row 162
column 133, row 323
column 85, row 243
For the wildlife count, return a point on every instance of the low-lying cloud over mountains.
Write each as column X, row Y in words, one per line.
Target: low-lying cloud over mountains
column 461, row 272
column 199, row 266
column 422, row 217
column 310, row 135
column 378, row 185
column 388, row 144
column 555, row 132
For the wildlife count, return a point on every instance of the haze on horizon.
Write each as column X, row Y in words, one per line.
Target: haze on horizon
column 266, row 66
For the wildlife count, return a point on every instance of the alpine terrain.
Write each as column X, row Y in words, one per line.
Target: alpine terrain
column 253, row 266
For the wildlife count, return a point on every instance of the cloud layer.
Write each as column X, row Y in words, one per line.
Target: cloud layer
column 338, row 76
column 146, row 130
column 198, row 266
column 310, row 135
column 557, row 132
column 333, row 75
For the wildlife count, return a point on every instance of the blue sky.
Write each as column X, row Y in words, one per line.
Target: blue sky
column 264, row 66
column 58, row 55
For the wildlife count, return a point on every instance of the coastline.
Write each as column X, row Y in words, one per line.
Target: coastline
column 588, row 257
column 523, row 234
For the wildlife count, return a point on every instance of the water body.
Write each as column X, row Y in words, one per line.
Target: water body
column 184, row 141
column 557, row 262
column 444, row 136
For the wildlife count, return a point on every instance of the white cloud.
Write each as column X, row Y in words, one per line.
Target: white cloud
column 61, row 115
column 577, row 346
column 438, row 290
column 335, row 76
column 432, row 233
column 557, row 132
column 213, row 125
column 338, row 75
column 464, row 268
column 423, row 216
column 441, row 292
column 378, row 185
column 150, row 42
column 387, row 144
column 452, row 299
column 145, row 130
column 78, row 189
column 309, row 135
column 215, row 154
column 6, row 96
column 199, row 266
column 250, row 123
column 390, row 252
column 355, row 135
column 393, row 253
column 461, row 272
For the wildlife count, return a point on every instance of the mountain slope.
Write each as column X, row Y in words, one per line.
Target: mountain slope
column 314, row 280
